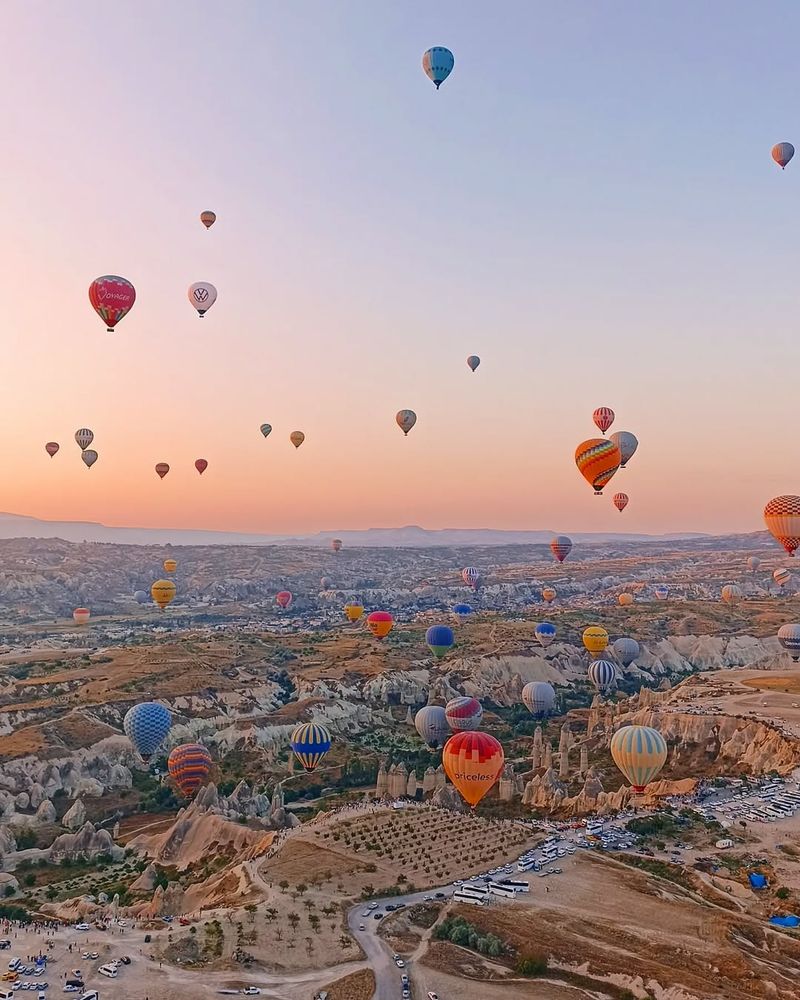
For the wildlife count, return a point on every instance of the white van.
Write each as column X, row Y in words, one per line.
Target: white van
column 108, row 970
column 91, row 995
column 6, row 993
column 13, row 965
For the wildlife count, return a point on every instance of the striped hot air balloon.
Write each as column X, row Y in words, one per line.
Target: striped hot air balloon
column 621, row 501
column 380, row 623
column 112, row 298
column 310, row 742
column 431, row 724
column 438, row 63
column 781, row 576
column 473, row 762
column 595, row 639
column 782, row 518
column 627, row 444
column 561, row 546
column 539, row 697
column 146, row 725
column 731, row 593
column 189, row 765
column 603, row 417
column 545, row 632
column 661, row 592
column 598, row 460
column 602, row 673
column 639, row 752
column 471, row 576
column 170, row 565
column 789, row 638
column 782, row 152
column 440, row 640
column 463, row 713
column 83, row 438
column 626, row 650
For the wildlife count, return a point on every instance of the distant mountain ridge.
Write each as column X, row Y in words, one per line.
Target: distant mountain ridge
column 410, row 536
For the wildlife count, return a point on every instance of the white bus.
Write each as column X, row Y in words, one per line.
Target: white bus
column 463, row 897
column 516, row 886
column 501, row 890
column 479, row 891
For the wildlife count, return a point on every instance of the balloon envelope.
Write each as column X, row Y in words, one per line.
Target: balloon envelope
column 81, row 616
column 380, row 623
column 782, row 152
column 539, row 697
column 473, row 762
column 603, row 417
column 208, row 219
column 782, row 518
column 661, row 592
column 201, row 465
column 189, row 765
column 161, row 469
column 140, row 596
column 202, row 295
column 639, row 752
column 283, row 598
column 597, row 460
column 84, row 438
column 310, row 742
column 789, row 638
column 336, row 544
column 627, row 444
column 462, row 610
column 471, row 575
column 626, row 650
column 353, row 611
column 163, row 592
column 431, row 724
column 297, row 438
column 463, row 713
column 781, row 576
column 595, row 639
column 438, row 64
column 112, row 298
column 753, row 563
column 548, row 594
column 621, row 501
column 440, row 639
column 51, row 448
column 89, row 457
column 625, row 600
column 170, row 565
column 731, row 593
column 561, row 546
column 602, row 673
column 146, row 725
column 473, row 361
column 405, row 420
column 545, row 632
column 266, row 429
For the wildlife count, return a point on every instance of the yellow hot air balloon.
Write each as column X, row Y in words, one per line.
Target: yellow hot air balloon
column 548, row 594
column 639, row 752
column 170, row 565
column 625, row 600
column 595, row 639
column 297, row 438
column 473, row 761
column 353, row 611
column 163, row 592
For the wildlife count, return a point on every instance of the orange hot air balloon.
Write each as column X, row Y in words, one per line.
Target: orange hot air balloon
column 163, row 592
column 380, row 623
column 201, row 465
column 603, row 417
column 597, row 460
column 353, row 611
column 51, row 448
column 782, row 518
column 170, row 565
column 297, row 438
column 162, row 469
column 548, row 594
column 625, row 600
column 621, row 501
column 473, row 761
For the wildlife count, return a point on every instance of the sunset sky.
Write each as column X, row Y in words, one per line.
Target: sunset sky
column 588, row 203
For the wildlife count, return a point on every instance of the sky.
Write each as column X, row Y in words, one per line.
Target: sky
column 588, row 203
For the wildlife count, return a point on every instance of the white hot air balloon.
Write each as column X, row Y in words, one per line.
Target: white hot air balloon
column 84, row 438
column 89, row 457
column 202, row 295
column 438, row 64
column 627, row 444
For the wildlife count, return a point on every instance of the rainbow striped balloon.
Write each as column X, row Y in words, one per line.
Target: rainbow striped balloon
column 597, row 459
column 639, row 752
column 310, row 742
column 189, row 765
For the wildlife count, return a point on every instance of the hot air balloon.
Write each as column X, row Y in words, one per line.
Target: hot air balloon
column 539, row 697
column 471, row 576
column 548, row 594
column 89, row 457
column 463, row 713
column 431, row 724
column 661, row 592
column 51, row 448
column 545, row 632
column 473, row 762
column 146, row 725
column 336, row 544
column 84, row 438
column 353, row 610
column 753, row 563
column 561, row 546
column 782, row 152
column 405, row 420
column 283, row 599
column 112, row 299
column 325, row 583
column 625, row 600
column 380, row 623
column 731, row 593
column 310, row 742
column 189, row 765
column 163, row 592
column 602, row 673
column 603, row 417
column 170, row 565
column 597, row 460
column 781, row 576
column 440, row 640
column 161, row 469
column 782, row 518
column 201, row 465
column 473, row 361
column 202, row 295
column 297, row 438
column 462, row 610
column 141, row 597
column 438, row 64
column 626, row 650
column 208, row 219
column 627, row 444
column 266, row 429
column 639, row 752
column 81, row 616
column 789, row 638
column 595, row 639
column 621, row 501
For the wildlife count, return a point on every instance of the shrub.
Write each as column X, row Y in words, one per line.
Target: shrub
column 531, row 965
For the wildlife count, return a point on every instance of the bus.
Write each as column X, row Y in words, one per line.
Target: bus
column 496, row 889
column 463, row 897
column 478, row 891
column 516, row 886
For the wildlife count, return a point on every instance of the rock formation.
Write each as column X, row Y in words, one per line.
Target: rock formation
column 74, row 818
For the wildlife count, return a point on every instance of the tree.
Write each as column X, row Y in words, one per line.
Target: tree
column 313, row 921
column 270, row 914
column 302, row 888
column 251, row 909
column 345, row 941
column 782, row 893
column 531, row 965
column 283, row 885
column 294, row 919
column 309, row 946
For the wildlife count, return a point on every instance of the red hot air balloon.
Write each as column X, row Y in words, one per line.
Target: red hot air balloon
column 162, row 469
column 380, row 623
column 603, row 416
column 201, row 465
column 561, row 546
column 621, row 501
column 51, row 448
column 284, row 599
column 112, row 298
column 473, row 762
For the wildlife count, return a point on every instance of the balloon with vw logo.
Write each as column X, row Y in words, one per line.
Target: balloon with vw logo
column 202, row 295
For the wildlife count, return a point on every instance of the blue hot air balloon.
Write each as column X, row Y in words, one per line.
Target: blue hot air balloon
column 142, row 597
column 438, row 64
column 545, row 632
column 310, row 743
column 439, row 639
column 146, row 725
column 602, row 673
column 462, row 610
